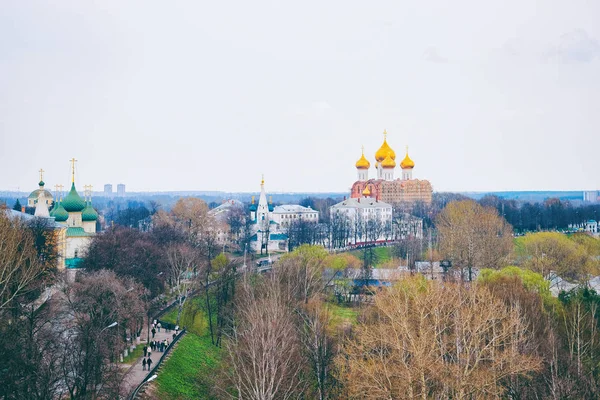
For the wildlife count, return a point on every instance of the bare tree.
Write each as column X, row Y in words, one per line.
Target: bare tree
column 182, row 263
column 473, row 236
column 412, row 345
column 263, row 348
column 21, row 266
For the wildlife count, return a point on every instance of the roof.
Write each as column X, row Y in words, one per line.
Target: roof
column 277, row 236
column 36, row 193
column 28, row 217
column 77, row 232
column 293, row 208
column 73, row 202
column 365, row 202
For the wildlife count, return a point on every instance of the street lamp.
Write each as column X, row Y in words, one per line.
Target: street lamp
column 153, row 377
column 109, row 326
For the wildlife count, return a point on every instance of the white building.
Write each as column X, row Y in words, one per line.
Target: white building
column 284, row 215
column 268, row 235
column 32, row 199
column 591, row 226
column 371, row 219
column 121, row 190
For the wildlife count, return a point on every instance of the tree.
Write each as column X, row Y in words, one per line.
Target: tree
column 473, row 236
column 21, row 266
column 318, row 344
column 94, row 303
column 412, row 345
column 17, row 206
column 129, row 253
column 182, row 263
column 553, row 252
column 263, row 349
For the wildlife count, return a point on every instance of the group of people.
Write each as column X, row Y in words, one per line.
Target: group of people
column 156, row 345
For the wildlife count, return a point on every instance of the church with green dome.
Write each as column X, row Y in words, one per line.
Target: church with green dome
column 75, row 217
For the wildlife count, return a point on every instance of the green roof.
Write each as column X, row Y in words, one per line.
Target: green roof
column 73, row 262
column 59, row 213
column 73, row 202
column 77, row 232
column 88, row 213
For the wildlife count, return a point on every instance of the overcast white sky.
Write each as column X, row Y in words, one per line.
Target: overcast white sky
column 208, row 95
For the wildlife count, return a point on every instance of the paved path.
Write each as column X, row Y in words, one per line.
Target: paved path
column 135, row 375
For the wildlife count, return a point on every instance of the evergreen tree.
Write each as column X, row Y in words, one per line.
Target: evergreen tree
column 17, row 206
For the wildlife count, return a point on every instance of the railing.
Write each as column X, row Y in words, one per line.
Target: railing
column 158, row 363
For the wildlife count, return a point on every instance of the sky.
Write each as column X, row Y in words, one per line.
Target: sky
column 210, row 95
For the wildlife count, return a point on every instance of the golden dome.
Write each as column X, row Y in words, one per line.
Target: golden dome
column 366, row 192
column 384, row 150
column 388, row 162
column 362, row 162
column 407, row 163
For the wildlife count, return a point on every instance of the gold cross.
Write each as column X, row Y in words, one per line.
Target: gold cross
column 41, row 174
column 384, row 134
column 73, row 161
column 363, row 149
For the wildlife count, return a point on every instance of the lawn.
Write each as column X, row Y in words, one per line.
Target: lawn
column 342, row 314
column 382, row 255
column 190, row 372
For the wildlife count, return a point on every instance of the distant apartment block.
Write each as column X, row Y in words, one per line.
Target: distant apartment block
column 121, row 190
column 108, row 190
column 591, row 196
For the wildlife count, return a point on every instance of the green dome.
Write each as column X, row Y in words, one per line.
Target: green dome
column 73, row 202
column 88, row 213
column 41, row 183
column 59, row 213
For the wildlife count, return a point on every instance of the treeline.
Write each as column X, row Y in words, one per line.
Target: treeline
column 503, row 336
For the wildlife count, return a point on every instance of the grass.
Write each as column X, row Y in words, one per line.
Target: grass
column 191, row 370
column 134, row 355
column 382, row 255
column 342, row 314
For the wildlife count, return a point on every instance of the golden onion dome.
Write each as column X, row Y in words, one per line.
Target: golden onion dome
column 384, row 150
column 366, row 192
column 407, row 163
column 362, row 162
column 388, row 162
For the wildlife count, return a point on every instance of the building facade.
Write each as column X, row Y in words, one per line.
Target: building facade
column 385, row 187
column 370, row 219
column 284, row 215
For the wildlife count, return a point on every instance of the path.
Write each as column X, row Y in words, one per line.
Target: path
column 135, row 375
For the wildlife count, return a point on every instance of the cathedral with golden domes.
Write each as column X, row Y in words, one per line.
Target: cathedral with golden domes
column 385, row 188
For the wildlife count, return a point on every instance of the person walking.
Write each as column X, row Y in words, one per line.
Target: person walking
column 145, row 351
column 153, row 332
column 149, row 353
column 149, row 363
column 158, row 326
column 144, row 364
column 174, row 334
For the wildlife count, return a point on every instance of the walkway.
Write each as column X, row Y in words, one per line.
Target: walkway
column 135, row 375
